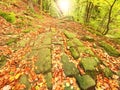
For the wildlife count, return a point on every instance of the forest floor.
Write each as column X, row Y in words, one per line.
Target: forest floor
column 45, row 53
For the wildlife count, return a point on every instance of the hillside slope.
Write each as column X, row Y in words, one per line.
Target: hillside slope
column 38, row 52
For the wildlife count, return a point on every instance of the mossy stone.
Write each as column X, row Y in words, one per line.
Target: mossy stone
column 24, row 80
column 69, row 67
column 86, row 50
column 23, row 42
column 74, row 52
column 2, row 60
column 74, row 42
column 44, row 62
column 107, row 72
column 85, row 82
column 9, row 16
column 69, row 34
column 109, row 49
column 88, row 38
column 89, row 63
column 48, row 78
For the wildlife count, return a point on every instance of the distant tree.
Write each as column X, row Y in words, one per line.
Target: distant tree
column 30, row 4
column 109, row 18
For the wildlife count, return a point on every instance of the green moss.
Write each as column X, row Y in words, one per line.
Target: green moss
column 68, row 87
column 85, row 50
column 85, row 82
column 69, row 67
column 26, row 31
column 2, row 60
column 107, row 72
column 44, row 62
column 109, row 49
column 10, row 17
column 69, row 35
column 88, row 38
column 74, row 52
column 48, row 78
column 89, row 63
column 74, row 42
column 24, row 80
column 11, row 41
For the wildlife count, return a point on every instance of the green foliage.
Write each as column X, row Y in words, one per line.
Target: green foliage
column 9, row 16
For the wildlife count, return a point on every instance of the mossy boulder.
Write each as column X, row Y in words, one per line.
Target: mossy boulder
column 107, row 72
column 89, row 63
column 88, row 38
column 48, row 78
column 74, row 52
column 2, row 60
column 9, row 16
column 24, row 80
column 69, row 34
column 69, row 67
column 74, row 42
column 109, row 49
column 44, row 62
column 85, row 82
column 85, row 50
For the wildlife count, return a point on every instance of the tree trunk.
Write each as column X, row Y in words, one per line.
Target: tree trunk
column 40, row 3
column 109, row 18
column 30, row 4
column 89, row 7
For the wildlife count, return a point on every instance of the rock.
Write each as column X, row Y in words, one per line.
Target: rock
column 85, row 50
column 74, row 42
column 74, row 52
column 48, row 78
column 107, row 72
column 2, row 60
column 69, row 35
column 47, row 39
column 85, row 82
column 109, row 49
column 69, row 67
column 24, row 80
column 89, row 63
column 44, row 62
column 23, row 42
column 88, row 38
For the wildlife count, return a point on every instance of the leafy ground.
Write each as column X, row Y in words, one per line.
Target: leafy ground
column 43, row 53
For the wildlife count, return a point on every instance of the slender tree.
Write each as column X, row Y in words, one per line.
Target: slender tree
column 109, row 18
